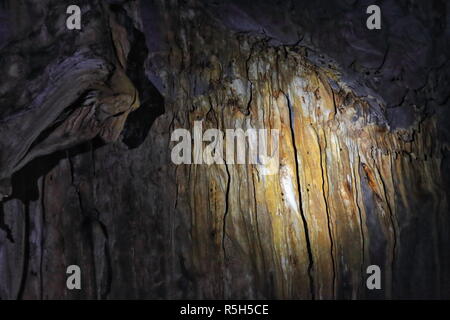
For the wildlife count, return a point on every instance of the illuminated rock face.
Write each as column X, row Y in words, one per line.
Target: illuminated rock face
column 349, row 190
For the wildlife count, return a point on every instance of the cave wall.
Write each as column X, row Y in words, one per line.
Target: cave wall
column 363, row 154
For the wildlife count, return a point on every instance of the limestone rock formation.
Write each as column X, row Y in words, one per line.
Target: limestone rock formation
column 86, row 171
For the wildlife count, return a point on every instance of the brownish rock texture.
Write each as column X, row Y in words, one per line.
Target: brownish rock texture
column 87, row 176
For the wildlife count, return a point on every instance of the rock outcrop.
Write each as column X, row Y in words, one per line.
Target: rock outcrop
column 87, row 176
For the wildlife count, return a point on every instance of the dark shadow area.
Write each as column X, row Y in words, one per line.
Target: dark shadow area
column 139, row 122
column 24, row 182
column 4, row 22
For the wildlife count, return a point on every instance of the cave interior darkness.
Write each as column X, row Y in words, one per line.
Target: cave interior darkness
column 86, row 137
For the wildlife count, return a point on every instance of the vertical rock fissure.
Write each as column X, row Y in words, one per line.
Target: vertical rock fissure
column 258, row 233
column 302, row 214
column 327, row 210
column 3, row 226
column 26, row 249
column 394, row 228
column 42, row 244
column 356, row 178
column 227, row 204
column 104, row 292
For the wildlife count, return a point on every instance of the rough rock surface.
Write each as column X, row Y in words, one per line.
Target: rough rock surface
column 87, row 178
